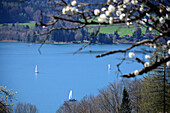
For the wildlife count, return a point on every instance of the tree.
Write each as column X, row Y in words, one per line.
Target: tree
column 6, row 98
column 156, row 87
column 75, row 15
column 68, row 107
column 134, row 88
column 107, row 101
column 137, row 33
column 125, row 106
column 25, row 108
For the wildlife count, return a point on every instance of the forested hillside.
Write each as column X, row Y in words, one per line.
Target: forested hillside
column 18, row 22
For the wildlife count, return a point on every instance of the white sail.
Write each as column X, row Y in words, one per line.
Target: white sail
column 36, row 71
column 70, row 95
column 109, row 66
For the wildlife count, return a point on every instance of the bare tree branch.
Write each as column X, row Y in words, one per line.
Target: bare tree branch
column 131, row 47
column 91, row 38
column 151, row 67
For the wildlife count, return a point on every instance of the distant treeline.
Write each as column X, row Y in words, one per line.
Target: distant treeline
column 25, row 33
column 14, row 13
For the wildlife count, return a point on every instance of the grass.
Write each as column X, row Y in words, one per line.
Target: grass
column 122, row 29
column 30, row 24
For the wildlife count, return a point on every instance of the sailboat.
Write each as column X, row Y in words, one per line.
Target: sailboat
column 70, row 96
column 36, row 71
column 109, row 66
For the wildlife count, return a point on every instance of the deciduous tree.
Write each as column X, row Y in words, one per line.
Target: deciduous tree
column 152, row 14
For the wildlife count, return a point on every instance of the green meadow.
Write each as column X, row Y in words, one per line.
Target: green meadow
column 30, row 24
column 122, row 29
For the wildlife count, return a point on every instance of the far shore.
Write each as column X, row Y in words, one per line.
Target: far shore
column 61, row 42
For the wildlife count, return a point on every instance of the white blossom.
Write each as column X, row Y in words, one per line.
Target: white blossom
column 146, row 64
column 121, row 9
column 145, row 20
column 119, row 6
column 168, row 9
column 142, row 22
column 115, row 1
column 162, row 20
column 111, row 20
column 63, row 11
column 148, row 15
column 150, row 28
column 167, row 16
column 74, row 10
column 103, row 9
column 168, row 63
column 141, row 9
column 168, row 51
column 168, row 42
column 136, row 72
column 134, row 2
column 160, row 34
column 66, row 9
column 128, row 19
column 128, row 23
column 131, row 54
column 111, row 8
column 161, row 10
column 126, row 1
column 96, row 12
column 118, row 13
column 108, row 13
column 122, row 16
column 147, row 57
column 73, row 3
column 102, row 18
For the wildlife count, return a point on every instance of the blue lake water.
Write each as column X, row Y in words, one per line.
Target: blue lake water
column 59, row 72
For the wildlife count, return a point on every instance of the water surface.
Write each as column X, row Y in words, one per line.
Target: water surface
column 59, row 72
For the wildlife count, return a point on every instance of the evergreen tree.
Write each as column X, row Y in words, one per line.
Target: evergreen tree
column 156, row 88
column 125, row 106
column 137, row 33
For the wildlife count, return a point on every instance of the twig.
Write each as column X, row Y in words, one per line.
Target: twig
column 147, row 69
column 85, row 45
column 134, row 45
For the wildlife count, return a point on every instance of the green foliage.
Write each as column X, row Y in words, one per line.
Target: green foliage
column 156, row 87
column 122, row 29
column 30, row 24
column 125, row 106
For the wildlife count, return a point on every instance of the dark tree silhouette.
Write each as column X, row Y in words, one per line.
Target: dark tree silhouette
column 125, row 106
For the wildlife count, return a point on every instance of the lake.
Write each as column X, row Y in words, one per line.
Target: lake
column 59, row 72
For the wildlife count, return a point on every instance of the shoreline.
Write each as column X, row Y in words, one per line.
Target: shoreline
column 59, row 42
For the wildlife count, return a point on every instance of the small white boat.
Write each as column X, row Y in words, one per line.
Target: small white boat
column 109, row 66
column 36, row 70
column 70, row 96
